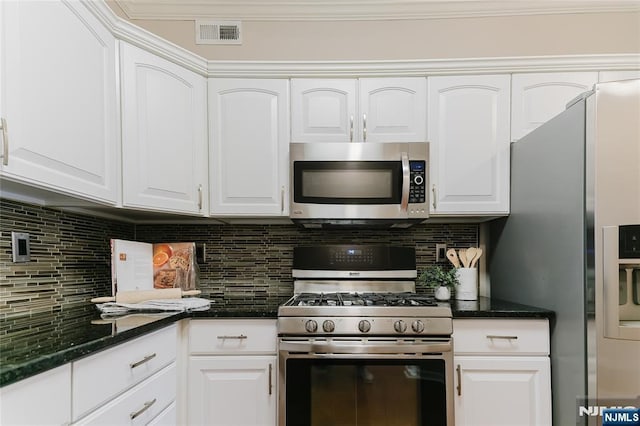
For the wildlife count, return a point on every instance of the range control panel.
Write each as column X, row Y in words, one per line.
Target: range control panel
column 417, row 186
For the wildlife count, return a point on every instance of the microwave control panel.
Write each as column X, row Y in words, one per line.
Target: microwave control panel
column 417, row 186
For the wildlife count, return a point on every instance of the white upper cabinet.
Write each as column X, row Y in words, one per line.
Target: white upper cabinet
column 323, row 110
column 469, row 144
column 359, row 110
column 604, row 76
column 164, row 133
column 393, row 109
column 249, row 146
column 538, row 97
column 59, row 99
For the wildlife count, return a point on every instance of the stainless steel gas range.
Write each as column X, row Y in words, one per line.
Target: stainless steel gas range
column 358, row 345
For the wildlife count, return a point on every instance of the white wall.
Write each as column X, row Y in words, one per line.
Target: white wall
column 481, row 37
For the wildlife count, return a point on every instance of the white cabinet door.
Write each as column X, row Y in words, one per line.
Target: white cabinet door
column 393, row 109
column 323, row 110
column 44, row 399
column 469, row 141
column 164, row 123
column 359, row 110
column 604, row 76
column 538, row 97
column 59, row 98
column 232, row 390
column 249, row 146
column 509, row 391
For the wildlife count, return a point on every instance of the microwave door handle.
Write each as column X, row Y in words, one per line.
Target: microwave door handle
column 404, row 202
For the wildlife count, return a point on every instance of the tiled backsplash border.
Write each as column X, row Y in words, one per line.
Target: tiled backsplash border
column 246, row 265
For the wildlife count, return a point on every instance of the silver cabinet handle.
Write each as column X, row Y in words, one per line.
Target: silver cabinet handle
column 493, row 336
column 200, row 197
column 144, row 408
column 240, row 337
column 142, row 361
column 282, row 199
column 5, row 142
column 364, row 127
column 270, row 380
column 406, row 178
column 459, row 386
column 433, row 193
column 351, row 130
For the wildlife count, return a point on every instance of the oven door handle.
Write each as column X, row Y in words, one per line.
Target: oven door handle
column 398, row 347
column 406, row 178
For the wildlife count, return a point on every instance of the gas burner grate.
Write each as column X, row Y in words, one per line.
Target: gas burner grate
column 361, row 299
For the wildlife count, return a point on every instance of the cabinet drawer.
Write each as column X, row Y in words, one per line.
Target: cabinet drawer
column 100, row 377
column 501, row 336
column 232, row 336
column 139, row 405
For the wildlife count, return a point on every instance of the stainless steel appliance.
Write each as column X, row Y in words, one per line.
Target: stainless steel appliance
column 575, row 183
column 359, row 183
column 358, row 345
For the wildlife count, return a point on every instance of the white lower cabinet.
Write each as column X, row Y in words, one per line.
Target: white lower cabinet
column 131, row 383
column 232, row 373
column 141, row 404
column 44, row 399
column 502, row 372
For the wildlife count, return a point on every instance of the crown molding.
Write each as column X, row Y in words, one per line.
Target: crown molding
column 336, row 10
column 320, row 69
column 126, row 31
column 137, row 36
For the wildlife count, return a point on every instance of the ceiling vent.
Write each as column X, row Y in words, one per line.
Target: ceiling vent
column 218, row 32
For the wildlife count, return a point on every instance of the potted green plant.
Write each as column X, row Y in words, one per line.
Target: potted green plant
column 440, row 279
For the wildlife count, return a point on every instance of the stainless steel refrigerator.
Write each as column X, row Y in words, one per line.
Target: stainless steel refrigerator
column 567, row 245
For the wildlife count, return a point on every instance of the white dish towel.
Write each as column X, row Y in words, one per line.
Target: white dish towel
column 172, row 305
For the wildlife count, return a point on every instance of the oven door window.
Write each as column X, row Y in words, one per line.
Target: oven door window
column 325, row 392
column 347, row 182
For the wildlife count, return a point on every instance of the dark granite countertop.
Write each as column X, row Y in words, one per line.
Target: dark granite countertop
column 486, row 307
column 32, row 344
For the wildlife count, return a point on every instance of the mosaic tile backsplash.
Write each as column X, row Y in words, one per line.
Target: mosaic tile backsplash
column 246, row 266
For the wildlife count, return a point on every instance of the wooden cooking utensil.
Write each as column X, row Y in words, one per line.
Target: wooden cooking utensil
column 477, row 256
column 462, row 254
column 453, row 257
column 471, row 254
column 144, row 295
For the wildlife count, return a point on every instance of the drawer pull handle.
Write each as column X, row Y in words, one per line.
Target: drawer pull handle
column 270, row 381
column 240, row 337
column 459, row 386
column 144, row 408
column 142, row 361
column 493, row 336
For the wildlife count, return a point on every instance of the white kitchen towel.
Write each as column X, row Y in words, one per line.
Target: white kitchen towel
column 173, row 305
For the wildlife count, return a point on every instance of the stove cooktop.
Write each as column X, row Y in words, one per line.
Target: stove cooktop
column 361, row 299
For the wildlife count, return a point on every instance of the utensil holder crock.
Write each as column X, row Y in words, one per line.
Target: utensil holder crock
column 467, row 287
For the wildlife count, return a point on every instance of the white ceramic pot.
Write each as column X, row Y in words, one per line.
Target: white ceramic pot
column 443, row 293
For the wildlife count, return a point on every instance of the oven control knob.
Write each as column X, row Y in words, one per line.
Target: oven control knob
column 400, row 326
column 417, row 326
column 328, row 326
column 311, row 326
column 364, row 326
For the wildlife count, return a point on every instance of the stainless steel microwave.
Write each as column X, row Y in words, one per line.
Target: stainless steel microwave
column 359, row 183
